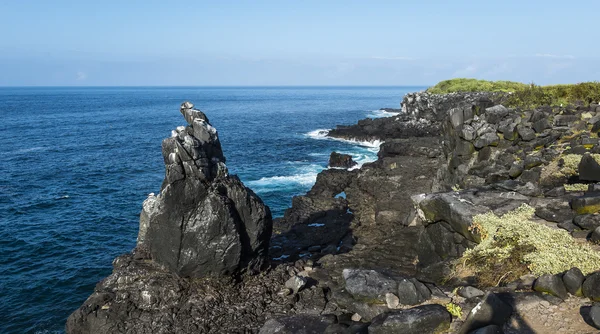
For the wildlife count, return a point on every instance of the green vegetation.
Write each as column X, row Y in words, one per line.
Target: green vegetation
column 454, row 309
column 513, row 245
column 576, row 187
column 524, row 95
column 474, row 85
column 533, row 95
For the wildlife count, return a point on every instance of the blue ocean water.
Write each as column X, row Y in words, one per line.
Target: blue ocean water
column 76, row 164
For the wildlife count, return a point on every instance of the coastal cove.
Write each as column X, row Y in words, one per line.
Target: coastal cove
column 77, row 168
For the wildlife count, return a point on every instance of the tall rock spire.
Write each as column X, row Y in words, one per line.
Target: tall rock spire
column 204, row 221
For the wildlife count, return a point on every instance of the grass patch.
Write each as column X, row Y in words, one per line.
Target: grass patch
column 474, row 85
column 513, row 245
column 524, row 95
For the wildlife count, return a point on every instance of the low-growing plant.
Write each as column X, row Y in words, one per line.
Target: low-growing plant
column 513, row 245
column 454, row 309
column 576, row 187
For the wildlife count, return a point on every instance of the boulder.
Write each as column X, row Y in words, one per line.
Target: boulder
column 526, row 133
column 589, row 168
column 341, row 160
column 204, row 221
column 587, row 204
column 495, row 114
column 573, row 279
column 432, row 318
column 487, row 139
column 412, row 292
column 296, row 283
column 369, row 284
column 594, row 315
column 591, row 287
column 296, row 324
column 491, row 310
column 470, row 292
column 541, row 125
column 587, row 222
column 551, row 284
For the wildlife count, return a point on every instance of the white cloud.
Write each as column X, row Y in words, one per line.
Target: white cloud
column 548, row 55
column 81, row 76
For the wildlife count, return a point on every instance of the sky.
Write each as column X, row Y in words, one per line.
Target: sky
column 265, row 43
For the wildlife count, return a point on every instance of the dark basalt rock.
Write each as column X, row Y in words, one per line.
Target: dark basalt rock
column 587, row 222
column 369, row 284
column 573, row 279
column 491, row 310
column 204, row 221
column 432, row 318
column 591, row 287
column 341, row 160
column 412, row 292
column 589, row 168
column 295, row 324
column 551, row 284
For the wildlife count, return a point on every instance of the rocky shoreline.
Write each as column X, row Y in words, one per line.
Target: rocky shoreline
column 369, row 250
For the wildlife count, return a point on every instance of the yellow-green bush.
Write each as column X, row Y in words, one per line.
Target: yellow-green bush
column 513, row 245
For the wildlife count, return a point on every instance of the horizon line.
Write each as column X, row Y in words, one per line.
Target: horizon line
column 209, row 86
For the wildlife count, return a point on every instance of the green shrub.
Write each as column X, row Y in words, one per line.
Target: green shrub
column 533, row 95
column 513, row 245
column 524, row 95
column 474, row 85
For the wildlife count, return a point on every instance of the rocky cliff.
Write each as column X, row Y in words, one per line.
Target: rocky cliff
column 397, row 246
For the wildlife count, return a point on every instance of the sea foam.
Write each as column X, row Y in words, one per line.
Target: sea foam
column 381, row 114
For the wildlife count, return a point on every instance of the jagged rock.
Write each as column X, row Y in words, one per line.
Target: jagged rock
column 470, row 292
column 368, row 284
column 487, row 139
column 432, row 318
column 551, row 284
column 203, row 222
column 526, row 133
column 495, row 114
column 516, row 169
column 296, row 324
column 450, row 207
column 341, row 160
column 573, row 279
column 491, row 310
column 541, row 125
column 296, row 283
column 412, row 292
column 434, row 107
column 589, row 168
column 565, row 120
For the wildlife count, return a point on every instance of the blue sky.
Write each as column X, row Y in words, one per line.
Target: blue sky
column 296, row 42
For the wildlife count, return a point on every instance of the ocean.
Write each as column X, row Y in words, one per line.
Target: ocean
column 77, row 163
